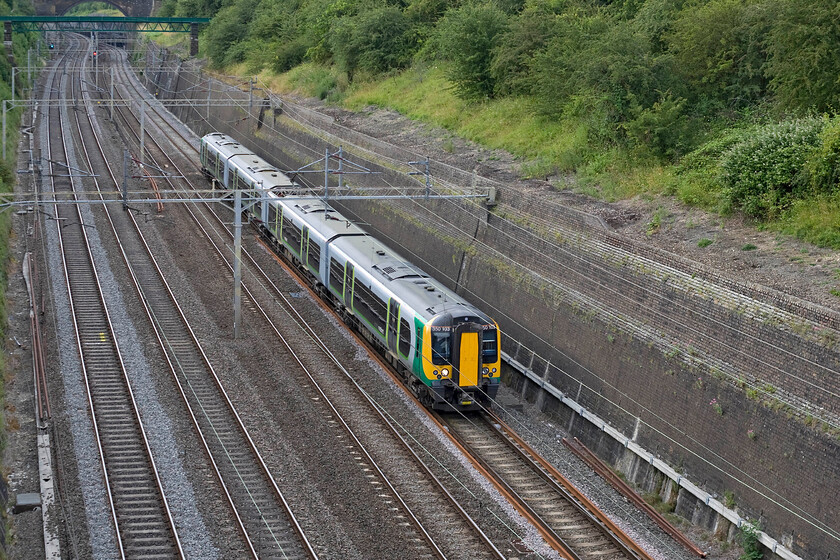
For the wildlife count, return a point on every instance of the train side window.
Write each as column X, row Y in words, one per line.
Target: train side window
column 405, row 337
column 337, row 276
column 490, row 346
column 314, row 255
column 369, row 306
column 441, row 351
column 291, row 234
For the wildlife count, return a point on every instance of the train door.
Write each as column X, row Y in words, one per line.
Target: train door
column 466, row 354
column 304, row 245
column 393, row 323
column 348, row 286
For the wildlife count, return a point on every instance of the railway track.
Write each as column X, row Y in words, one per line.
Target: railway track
column 427, row 486
column 570, row 521
column 143, row 524
column 268, row 526
column 575, row 531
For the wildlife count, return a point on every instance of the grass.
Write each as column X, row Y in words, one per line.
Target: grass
column 545, row 148
column 510, row 124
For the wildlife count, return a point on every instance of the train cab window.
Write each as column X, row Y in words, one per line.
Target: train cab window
column 291, row 234
column 441, row 351
column 337, row 276
column 405, row 337
column 369, row 306
column 314, row 254
column 490, row 346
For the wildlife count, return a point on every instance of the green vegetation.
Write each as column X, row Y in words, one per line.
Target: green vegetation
column 728, row 105
column 749, row 540
column 705, row 242
column 94, row 8
column 729, row 498
column 654, row 500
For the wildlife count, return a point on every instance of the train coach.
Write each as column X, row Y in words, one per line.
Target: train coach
column 446, row 349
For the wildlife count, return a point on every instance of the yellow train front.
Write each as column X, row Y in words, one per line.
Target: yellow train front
column 460, row 359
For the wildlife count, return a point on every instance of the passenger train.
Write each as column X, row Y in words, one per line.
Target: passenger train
column 446, row 350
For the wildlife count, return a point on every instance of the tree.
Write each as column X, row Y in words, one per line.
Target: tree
column 466, row 37
column 804, row 49
column 227, row 31
column 719, row 49
column 516, row 48
column 373, row 40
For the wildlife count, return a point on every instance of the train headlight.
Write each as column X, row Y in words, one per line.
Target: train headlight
column 435, row 372
column 494, row 370
column 444, row 372
column 485, row 371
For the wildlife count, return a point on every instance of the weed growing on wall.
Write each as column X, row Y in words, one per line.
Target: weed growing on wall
column 749, row 540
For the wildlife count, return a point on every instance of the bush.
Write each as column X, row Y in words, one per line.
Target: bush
column 227, row 31
column 804, row 55
column 749, row 540
column 663, row 129
column 513, row 56
column 763, row 174
column 288, row 54
column 466, row 37
column 612, row 64
column 719, row 49
column 823, row 165
column 374, row 40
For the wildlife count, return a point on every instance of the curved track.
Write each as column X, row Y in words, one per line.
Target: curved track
column 141, row 516
column 560, row 513
column 427, row 485
column 266, row 522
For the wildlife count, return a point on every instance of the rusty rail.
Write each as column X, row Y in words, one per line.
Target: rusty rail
column 607, row 474
column 42, row 396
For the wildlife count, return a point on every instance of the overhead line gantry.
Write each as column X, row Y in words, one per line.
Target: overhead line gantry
column 97, row 24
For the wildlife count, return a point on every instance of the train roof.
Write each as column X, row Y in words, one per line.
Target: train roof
column 245, row 160
column 424, row 295
column 321, row 217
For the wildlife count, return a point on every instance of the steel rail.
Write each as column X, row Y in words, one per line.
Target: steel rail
column 132, row 483
column 42, row 395
column 592, row 460
column 549, row 472
column 176, row 364
column 313, row 379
